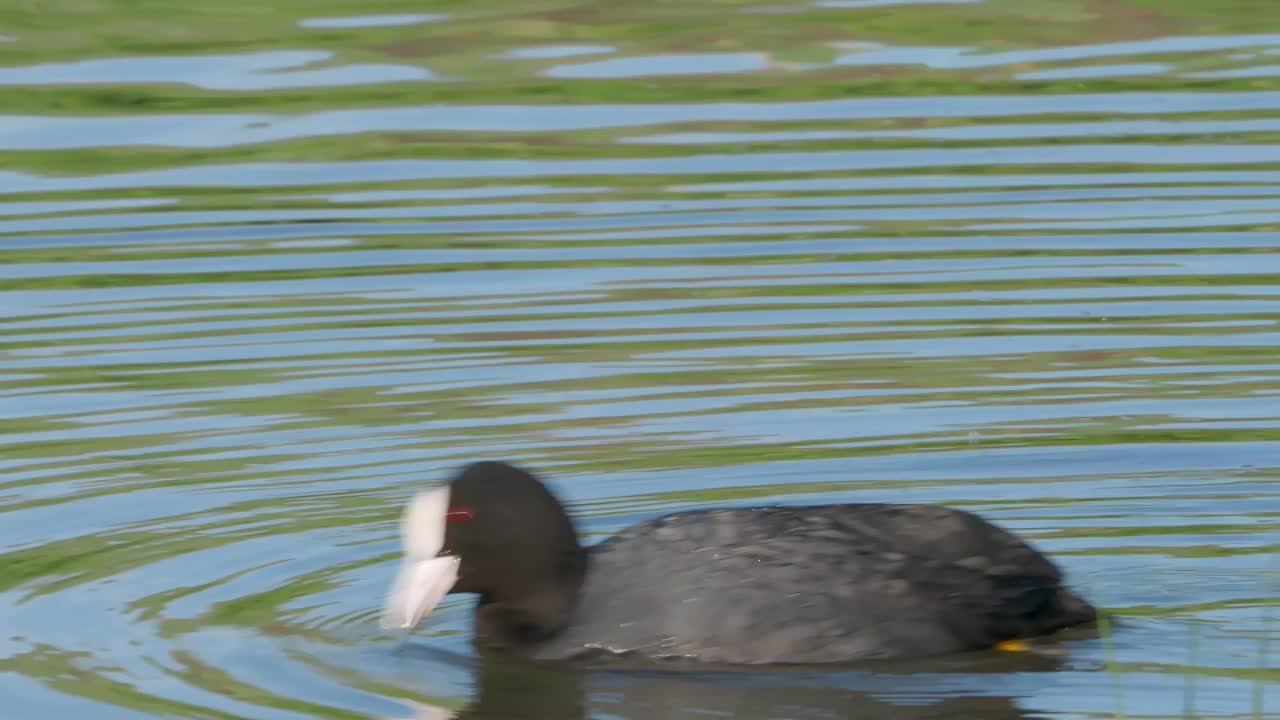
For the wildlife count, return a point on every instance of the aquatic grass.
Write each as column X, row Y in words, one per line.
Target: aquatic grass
column 1113, row 670
column 1190, row 672
column 1189, row 680
column 1272, row 591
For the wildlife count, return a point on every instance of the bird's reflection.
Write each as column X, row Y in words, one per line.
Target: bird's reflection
column 949, row 689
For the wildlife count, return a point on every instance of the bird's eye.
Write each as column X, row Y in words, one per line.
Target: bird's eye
column 461, row 514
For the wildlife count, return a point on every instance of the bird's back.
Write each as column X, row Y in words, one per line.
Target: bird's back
column 813, row 584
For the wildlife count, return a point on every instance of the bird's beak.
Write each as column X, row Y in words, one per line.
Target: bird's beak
column 419, row 587
column 425, row 575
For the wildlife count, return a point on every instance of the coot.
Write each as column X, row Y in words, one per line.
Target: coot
column 790, row 584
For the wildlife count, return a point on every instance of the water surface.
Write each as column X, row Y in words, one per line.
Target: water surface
column 265, row 271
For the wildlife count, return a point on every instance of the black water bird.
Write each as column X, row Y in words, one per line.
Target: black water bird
column 783, row 584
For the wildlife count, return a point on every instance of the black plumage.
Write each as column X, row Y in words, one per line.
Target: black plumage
column 791, row 584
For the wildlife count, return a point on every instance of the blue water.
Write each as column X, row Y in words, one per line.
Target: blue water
column 268, row 270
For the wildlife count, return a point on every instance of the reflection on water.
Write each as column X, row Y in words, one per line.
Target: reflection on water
column 510, row 689
column 267, row 270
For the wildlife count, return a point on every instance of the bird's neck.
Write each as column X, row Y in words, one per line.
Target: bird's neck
column 532, row 609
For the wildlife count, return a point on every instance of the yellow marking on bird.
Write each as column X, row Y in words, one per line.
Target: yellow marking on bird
column 1013, row 645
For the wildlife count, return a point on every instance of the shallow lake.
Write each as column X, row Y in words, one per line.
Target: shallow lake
column 266, row 268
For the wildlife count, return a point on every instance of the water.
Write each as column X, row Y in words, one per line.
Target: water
column 269, row 267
